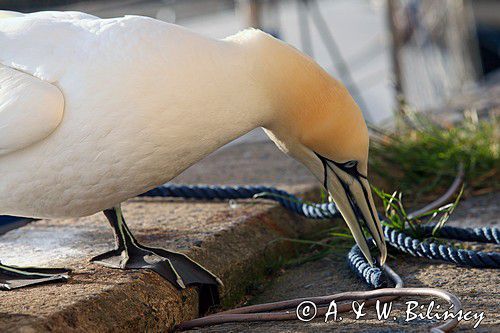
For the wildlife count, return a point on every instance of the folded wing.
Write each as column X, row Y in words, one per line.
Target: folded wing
column 30, row 109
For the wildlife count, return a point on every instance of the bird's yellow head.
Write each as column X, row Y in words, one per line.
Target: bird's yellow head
column 317, row 122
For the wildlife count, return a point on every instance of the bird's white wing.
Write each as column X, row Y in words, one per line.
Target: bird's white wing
column 30, row 109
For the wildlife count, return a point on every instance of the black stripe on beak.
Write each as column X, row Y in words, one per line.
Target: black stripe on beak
column 353, row 172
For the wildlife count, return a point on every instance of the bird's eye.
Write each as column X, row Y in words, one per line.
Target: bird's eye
column 350, row 164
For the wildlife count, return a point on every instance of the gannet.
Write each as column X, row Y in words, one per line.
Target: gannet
column 96, row 111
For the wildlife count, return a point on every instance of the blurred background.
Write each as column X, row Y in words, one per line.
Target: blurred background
column 427, row 55
column 426, row 74
column 428, row 51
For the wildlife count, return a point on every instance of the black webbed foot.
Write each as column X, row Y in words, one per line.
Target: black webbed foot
column 13, row 277
column 175, row 267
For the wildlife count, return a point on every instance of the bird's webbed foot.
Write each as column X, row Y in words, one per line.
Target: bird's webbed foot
column 177, row 268
column 13, row 277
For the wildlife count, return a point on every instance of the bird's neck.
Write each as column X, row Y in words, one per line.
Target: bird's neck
column 291, row 85
column 230, row 87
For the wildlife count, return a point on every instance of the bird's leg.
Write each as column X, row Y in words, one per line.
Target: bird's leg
column 13, row 277
column 177, row 268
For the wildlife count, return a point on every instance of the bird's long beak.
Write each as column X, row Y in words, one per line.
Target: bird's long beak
column 352, row 195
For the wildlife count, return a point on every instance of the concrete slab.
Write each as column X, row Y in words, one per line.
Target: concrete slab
column 478, row 289
column 235, row 241
column 232, row 239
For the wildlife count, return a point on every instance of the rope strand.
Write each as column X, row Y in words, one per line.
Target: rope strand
column 395, row 238
column 372, row 276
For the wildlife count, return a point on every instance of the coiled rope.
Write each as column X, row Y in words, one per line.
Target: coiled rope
column 395, row 238
column 373, row 276
column 210, row 192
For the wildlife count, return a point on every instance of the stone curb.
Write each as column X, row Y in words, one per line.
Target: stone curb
column 240, row 253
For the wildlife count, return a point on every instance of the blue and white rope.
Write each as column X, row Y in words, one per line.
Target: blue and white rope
column 373, row 276
column 209, row 192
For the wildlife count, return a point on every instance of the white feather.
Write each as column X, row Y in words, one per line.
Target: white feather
column 143, row 100
column 30, row 109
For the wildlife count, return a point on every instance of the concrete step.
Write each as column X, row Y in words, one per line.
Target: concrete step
column 237, row 241
column 478, row 289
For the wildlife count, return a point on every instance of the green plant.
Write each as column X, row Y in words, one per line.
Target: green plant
column 339, row 240
column 421, row 159
column 398, row 218
column 334, row 240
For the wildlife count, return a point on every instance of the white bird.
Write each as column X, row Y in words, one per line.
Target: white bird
column 96, row 111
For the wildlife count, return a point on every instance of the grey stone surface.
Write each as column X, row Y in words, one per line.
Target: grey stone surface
column 478, row 289
column 233, row 240
column 236, row 241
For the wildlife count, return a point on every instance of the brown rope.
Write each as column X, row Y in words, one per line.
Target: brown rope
column 264, row 312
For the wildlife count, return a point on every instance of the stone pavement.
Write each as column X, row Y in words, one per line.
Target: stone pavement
column 232, row 240
column 478, row 289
